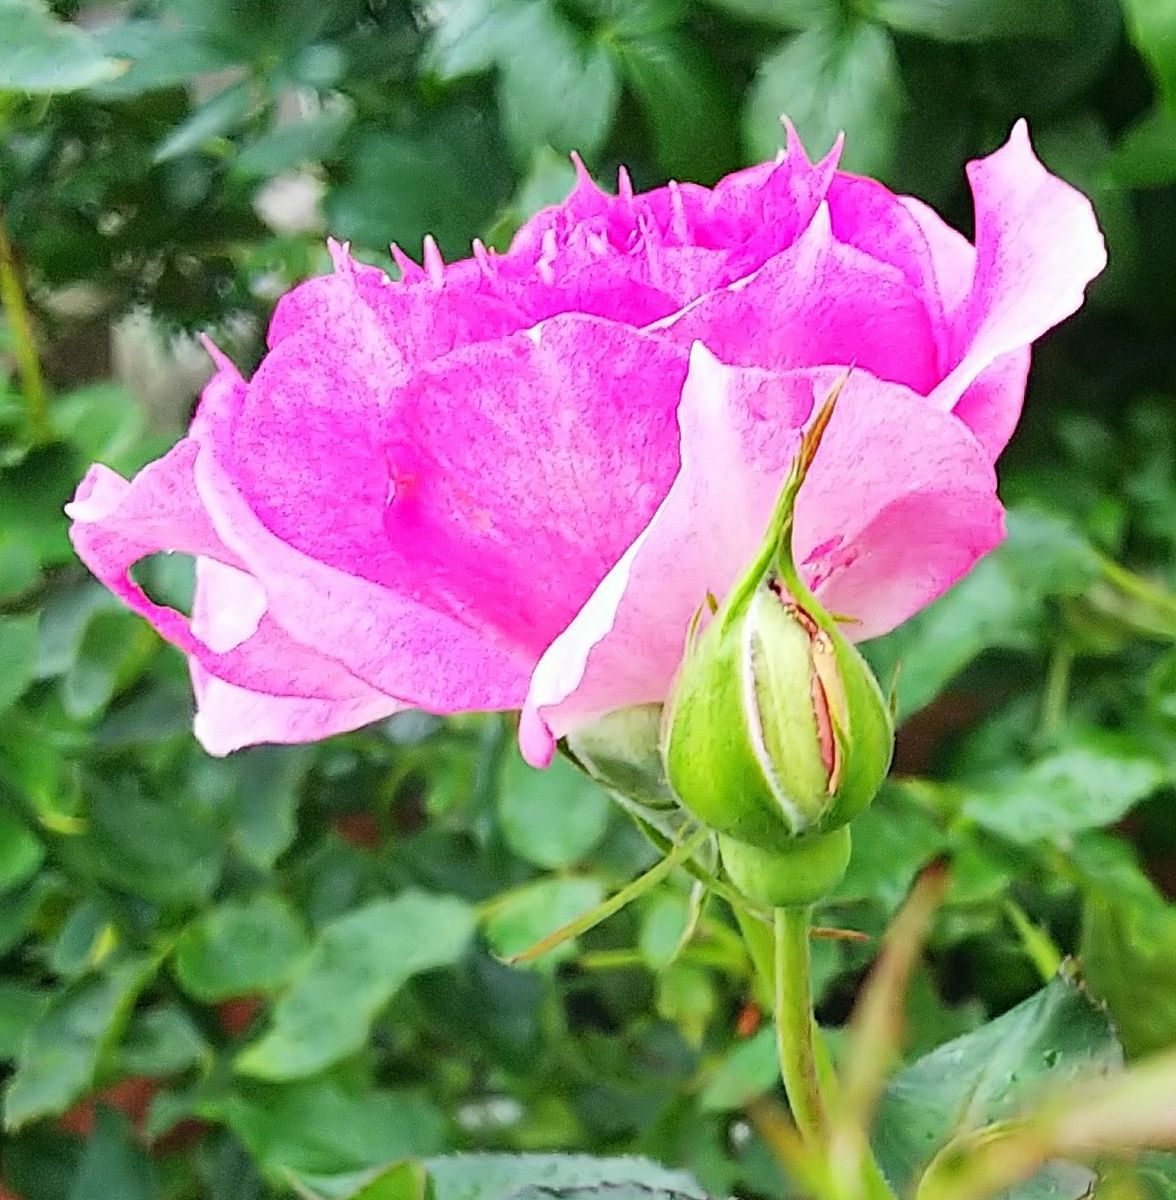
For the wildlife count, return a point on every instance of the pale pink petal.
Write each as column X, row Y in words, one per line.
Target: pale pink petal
column 899, row 504
column 818, row 302
column 229, row 717
column 889, row 463
column 231, row 638
column 953, row 257
column 1037, row 247
column 523, row 468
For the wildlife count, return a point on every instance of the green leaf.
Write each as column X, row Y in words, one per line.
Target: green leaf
column 830, row 79
column 976, row 20
column 1145, row 155
column 164, row 848
column 104, row 422
column 471, row 37
column 162, row 1041
column 63, row 1050
column 892, row 841
column 556, row 88
column 21, row 852
column 239, row 948
column 212, row 119
column 115, row 646
column 355, row 967
column 263, row 785
column 319, row 1128
column 20, row 1008
column 790, row 14
column 507, row 1177
column 522, row 918
column 685, row 99
column 1152, row 26
column 313, row 139
column 1090, row 783
column 18, row 656
column 1129, row 950
column 404, row 1181
column 114, row 1164
column 450, row 183
column 551, row 818
column 995, row 1072
column 748, row 1070
column 43, row 54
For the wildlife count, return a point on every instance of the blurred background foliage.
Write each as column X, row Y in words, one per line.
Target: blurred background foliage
column 229, row 979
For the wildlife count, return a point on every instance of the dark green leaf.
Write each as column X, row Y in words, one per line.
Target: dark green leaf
column 238, row 948
column 20, row 1008
column 213, row 119
column 828, row 80
column 976, row 20
column 551, row 818
column 1152, row 26
column 64, row 1048
column 748, row 1070
column 996, row 1072
column 355, row 967
column 162, row 1041
column 21, row 852
column 450, row 182
column 686, row 101
column 1002, row 603
column 1090, row 783
column 319, row 1128
column 522, row 918
column 18, row 656
column 892, row 841
column 791, row 14
column 556, row 88
column 114, row 1164
column 1129, row 950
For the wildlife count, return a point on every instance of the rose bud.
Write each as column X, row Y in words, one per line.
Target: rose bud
column 777, row 730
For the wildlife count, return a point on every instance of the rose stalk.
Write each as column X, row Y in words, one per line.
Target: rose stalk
column 777, row 736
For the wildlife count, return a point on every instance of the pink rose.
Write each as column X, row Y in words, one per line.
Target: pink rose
column 508, row 482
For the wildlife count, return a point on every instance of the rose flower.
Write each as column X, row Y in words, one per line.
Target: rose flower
column 510, row 482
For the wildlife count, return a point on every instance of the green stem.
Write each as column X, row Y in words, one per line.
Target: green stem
column 795, row 1023
column 12, row 297
column 1057, row 691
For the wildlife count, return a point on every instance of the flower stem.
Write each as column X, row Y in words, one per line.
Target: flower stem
column 794, row 1023
column 12, row 298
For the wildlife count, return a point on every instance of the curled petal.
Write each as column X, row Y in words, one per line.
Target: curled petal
column 1037, row 247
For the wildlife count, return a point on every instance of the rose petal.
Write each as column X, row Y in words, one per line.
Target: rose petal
column 1037, row 247
column 889, row 464
column 819, row 302
column 523, row 468
column 230, row 717
column 116, row 523
column 418, row 650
